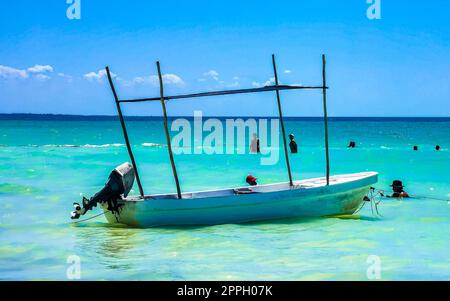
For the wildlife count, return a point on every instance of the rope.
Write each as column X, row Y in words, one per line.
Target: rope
column 92, row 217
column 383, row 194
column 374, row 197
column 360, row 208
column 428, row 197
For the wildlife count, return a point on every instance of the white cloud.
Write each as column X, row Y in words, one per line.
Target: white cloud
column 144, row 80
column 42, row 77
column 9, row 72
column 172, row 79
column 287, row 71
column 269, row 82
column 153, row 80
column 40, row 69
column 233, row 85
column 213, row 74
column 69, row 78
column 92, row 76
column 37, row 72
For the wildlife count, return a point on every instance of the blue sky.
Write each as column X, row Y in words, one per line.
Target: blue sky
column 396, row 66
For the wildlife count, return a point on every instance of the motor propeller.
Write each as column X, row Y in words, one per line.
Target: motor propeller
column 119, row 183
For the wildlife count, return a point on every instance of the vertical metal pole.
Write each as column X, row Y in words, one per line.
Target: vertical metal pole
column 125, row 134
column 169, row 144
column 283, row 132
column 325, row 116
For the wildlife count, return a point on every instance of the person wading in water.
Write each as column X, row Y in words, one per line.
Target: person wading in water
column 254, row 147
column 397, row 187
column 293, row 145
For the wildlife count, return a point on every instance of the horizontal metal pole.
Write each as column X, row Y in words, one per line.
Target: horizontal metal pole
column 228, row 92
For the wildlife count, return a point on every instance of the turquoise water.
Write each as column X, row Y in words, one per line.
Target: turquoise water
column 46, row 165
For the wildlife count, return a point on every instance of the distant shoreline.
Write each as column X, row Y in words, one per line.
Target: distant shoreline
column 64, row 117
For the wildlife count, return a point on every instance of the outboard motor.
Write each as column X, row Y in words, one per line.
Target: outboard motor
column 119, row 183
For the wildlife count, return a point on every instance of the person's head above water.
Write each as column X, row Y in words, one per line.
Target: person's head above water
column 438, row 147
column 291, row 136
column 397, row 186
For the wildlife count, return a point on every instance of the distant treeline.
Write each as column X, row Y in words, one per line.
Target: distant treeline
column 61, row 117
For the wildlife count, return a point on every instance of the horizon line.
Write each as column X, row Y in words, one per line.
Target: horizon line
column 57, row 116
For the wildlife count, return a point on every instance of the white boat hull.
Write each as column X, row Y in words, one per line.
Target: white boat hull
column 307, row 198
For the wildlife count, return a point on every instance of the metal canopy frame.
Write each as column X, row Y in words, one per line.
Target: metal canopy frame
column 163, row 98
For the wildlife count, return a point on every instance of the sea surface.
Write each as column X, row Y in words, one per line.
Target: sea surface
column 46, row 165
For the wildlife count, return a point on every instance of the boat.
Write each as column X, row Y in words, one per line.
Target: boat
column 317, row 197
column 307, row 198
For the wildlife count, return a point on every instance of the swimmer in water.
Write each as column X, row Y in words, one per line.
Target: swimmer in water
column 293, row 145
column 398, row 192
column 254, row 146
column 352, row 144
